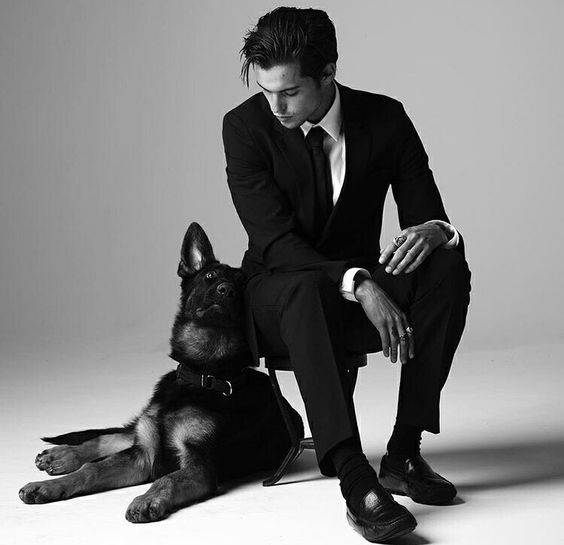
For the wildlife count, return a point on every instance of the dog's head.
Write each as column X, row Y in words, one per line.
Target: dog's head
column 208, row 331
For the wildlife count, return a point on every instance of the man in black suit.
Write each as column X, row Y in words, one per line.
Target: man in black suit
column 309, row 163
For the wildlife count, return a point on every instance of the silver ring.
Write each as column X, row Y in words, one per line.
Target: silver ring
column 399, row 240
column 409, row 330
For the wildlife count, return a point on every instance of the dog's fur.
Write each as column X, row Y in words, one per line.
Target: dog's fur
column 187, row 439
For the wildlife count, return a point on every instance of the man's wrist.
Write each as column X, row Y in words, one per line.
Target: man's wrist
column 362, row 288
column 349, row 281
column 452, row 236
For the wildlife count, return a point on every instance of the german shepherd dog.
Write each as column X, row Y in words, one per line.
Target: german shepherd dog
column 212, row 419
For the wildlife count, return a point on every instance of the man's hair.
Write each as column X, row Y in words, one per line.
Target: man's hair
column 291, row 34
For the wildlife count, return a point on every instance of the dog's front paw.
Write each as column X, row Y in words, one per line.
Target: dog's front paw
column 147, row 508
column 58, row 460
column 42, row 492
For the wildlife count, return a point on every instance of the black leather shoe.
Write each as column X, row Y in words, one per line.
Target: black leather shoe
column 380, row 518
column 417, row 480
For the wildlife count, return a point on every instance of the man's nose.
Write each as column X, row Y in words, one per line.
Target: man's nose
column 277, row 105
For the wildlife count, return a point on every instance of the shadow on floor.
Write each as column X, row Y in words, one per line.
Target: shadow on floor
column 489, row 467
column 302, row 470
column 484, row 467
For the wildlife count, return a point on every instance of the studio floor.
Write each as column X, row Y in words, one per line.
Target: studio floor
column 502, row 443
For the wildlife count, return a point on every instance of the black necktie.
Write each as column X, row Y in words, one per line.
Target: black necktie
column 322, row 172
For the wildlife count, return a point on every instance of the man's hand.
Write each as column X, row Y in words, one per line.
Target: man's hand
column 418, row 243
column 388, row 319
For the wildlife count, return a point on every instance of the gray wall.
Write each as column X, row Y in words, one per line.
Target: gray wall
column 110, row 143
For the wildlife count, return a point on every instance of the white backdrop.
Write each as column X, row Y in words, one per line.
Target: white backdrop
column 110, row 143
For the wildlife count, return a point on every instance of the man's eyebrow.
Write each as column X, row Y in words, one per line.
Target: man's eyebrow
column 281, row 91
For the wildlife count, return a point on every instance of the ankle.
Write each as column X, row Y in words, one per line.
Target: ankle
column 356, row 476
column 404, row 443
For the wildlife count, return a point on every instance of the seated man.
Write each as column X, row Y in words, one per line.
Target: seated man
column 309, row 163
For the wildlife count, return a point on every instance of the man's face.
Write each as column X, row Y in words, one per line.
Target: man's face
column 294, row 99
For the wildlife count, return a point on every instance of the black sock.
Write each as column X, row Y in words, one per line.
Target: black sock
column 404, row 443
column 355, row 474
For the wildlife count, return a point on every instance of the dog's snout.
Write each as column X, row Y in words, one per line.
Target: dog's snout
column 225, row 289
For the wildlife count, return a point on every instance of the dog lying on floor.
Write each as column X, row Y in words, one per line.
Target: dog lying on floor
column 212, row 419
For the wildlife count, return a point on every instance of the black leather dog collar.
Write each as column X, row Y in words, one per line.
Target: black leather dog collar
column 209, row 382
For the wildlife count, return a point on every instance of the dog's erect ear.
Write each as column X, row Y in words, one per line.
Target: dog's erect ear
column 196, row 251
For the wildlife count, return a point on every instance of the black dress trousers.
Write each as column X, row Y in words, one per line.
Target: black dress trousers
column 303, row 315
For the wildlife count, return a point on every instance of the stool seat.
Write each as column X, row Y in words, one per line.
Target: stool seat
column 282, row 363
column 275, row 363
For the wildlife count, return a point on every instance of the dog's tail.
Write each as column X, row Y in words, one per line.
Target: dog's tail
column 79, row 437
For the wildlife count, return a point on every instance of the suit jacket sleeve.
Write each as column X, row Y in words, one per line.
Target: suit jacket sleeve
column 413, row 187
column 264, row 210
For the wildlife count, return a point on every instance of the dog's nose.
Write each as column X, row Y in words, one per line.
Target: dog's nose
column 225, row 289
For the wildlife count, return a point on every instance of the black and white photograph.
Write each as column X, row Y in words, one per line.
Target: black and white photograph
column 281, row 274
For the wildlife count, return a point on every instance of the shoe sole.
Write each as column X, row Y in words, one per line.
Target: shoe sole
column 399, row 528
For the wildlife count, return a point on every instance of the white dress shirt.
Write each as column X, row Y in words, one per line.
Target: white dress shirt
column 335, row 150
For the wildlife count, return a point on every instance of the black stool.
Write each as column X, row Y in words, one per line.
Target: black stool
column 299, row 444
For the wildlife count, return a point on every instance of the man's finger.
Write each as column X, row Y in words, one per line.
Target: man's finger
column 394, row 341
column 400, row 254
column 407, row 341
column 411, row 339
column 392, row 247
column 420, row 259
column 404, row 347
column 385, row 340
column 410, row 256
column 387, row 253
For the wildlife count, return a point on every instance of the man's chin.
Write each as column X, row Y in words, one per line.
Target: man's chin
column 288, row 122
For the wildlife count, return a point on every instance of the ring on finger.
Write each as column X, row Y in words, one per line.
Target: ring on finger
column 399, row 240
column 409, row 330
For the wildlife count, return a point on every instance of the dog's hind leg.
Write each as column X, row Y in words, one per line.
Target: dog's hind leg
column 195, row 481
column 126, row 468
column 66, row 458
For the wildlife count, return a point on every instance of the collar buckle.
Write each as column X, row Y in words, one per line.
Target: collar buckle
column 207, row 381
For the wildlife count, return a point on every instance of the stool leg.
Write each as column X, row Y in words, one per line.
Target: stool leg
column 293, row 453
column 296, row 448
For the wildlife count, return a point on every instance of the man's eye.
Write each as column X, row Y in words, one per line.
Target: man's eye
column 292, row 94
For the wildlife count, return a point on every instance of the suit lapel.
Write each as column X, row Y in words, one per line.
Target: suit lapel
column 357, row 153
column 291, row 145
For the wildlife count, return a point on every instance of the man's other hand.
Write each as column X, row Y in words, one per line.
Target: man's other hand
column 388, row 319
column 416, row 244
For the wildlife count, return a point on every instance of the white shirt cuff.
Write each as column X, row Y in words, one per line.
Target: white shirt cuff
column 454, row 237
column 348, row 283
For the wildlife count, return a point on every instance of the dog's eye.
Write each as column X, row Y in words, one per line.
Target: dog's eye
column 210, row 275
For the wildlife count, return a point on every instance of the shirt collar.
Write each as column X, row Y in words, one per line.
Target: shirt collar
column 332, row 120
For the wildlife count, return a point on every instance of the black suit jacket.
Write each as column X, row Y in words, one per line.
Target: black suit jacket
column 272, row 185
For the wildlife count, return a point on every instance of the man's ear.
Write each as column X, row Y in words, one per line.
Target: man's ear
column 329, row 73
column 196, row 251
